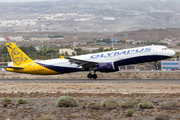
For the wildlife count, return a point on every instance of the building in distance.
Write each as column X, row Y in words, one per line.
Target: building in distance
column 68, row 51
column 2, row 39
column 170, row 65
column 108, row 18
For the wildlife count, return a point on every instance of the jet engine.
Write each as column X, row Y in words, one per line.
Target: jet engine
column 107, row 67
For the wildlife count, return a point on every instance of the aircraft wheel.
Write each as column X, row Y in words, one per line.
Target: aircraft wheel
column 156, row 65
column 157, row 68
column 94, row 76
column 90, row 76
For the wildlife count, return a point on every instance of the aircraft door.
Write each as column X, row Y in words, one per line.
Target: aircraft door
column 121, row 57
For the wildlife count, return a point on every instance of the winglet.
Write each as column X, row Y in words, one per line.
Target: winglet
column 61, row 57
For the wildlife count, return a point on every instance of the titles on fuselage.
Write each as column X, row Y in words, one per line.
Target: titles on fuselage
column 121, row 52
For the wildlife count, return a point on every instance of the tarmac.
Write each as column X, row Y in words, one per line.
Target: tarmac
column 89, row 80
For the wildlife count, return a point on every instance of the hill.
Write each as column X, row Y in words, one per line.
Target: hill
column 170, row 6
column 149, row 34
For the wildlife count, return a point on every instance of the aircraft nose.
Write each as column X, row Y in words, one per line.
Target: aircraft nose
column 172, row 53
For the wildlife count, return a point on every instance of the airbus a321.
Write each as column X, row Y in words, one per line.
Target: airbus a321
column 101, row 62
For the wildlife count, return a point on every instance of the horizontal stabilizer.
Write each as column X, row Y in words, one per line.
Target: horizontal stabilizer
column 61, row 57
column 17, row 68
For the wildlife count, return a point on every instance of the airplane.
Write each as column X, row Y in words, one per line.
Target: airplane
column 101, row 62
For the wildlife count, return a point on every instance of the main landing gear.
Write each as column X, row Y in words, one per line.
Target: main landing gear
column 94, row 76
column 156, row 64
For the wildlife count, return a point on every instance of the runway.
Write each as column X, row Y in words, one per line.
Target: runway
column 89, row 80
column 121, row 71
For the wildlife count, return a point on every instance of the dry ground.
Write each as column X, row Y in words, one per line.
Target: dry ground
column 39, row 107
column 42, row 96
column 90, row 87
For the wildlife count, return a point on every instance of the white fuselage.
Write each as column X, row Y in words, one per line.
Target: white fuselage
column 120, row 57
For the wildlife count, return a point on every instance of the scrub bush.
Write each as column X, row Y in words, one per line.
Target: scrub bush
column 127, row 104
column 21, row 93
column 94, row 105
column 66, row 101
column 146, row 105
column 91, row 104
column 47, row 117
column 21, row 101
column 110, row 104
column 129, row 113
column 69, row 93
column 6, row 100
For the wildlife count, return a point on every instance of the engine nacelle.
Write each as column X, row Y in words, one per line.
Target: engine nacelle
column 107, row 67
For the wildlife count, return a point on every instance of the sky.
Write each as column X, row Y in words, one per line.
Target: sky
column 19, row 0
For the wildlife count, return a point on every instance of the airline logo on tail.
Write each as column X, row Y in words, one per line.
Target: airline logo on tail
column 17, row 56
column 23, row 64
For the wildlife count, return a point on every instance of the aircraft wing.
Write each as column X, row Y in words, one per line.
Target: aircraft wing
column 85, row 64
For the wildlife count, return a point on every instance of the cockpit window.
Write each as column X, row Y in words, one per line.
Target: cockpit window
column 164, row 48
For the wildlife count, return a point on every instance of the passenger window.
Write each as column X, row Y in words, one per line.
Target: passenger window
column 164, row 48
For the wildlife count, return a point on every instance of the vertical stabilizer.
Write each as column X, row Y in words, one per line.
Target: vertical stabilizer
column 18, row 57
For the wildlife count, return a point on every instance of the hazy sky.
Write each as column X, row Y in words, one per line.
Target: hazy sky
column 19, row 0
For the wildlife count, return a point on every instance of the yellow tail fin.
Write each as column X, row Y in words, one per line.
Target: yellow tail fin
column 18, row 57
